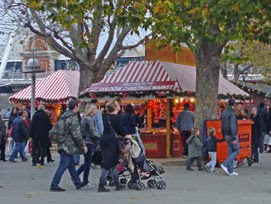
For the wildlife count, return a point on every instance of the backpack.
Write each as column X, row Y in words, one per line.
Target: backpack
column 57, row 133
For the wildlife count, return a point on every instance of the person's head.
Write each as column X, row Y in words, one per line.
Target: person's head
column 24, row 108
column 94, row 101
column 195, row 131
column 48, row 113
column 41, row 107
column 118, row 100
column 254, row 111
column 267, row 107
column 211, row 131
column 112, row 107
column 20, row 113
column 186, row 106
column 90, row 109
column 262, row 105
column 231, row 102
column 14, row 111
column 129, row 108
column 73, row 105
column 25, row 114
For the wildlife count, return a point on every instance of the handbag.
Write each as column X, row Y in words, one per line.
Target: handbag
column 120, row 141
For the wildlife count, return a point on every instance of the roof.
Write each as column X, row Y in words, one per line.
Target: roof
column 59, row 86
column 157, row 76
column 260, row 88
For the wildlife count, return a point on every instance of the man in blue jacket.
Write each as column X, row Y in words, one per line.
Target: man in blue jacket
column 230, row 133
column 20, row 136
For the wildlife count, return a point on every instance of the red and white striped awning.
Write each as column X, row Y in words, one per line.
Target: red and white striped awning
column 156, row 76
column 59, row 86
column 137, row 76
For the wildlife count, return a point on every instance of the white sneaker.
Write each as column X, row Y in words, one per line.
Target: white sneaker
column 234, row 174
column 225, row 169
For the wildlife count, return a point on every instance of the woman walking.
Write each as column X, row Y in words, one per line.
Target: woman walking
column 88, row 129
column 113, row 129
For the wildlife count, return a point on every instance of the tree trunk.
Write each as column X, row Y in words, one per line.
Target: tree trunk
column 224, row 71
column 208, row 58
column 236, row 73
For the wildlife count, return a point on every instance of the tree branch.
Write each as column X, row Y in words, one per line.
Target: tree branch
column 246, row 69
column 136, row 44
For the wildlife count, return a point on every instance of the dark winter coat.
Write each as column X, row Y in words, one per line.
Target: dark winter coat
column 212, row 143
column 40, row 127
column 263, row 114
column 129, row 123
column 2, row 131
column 19, row 133
column 12, row 117
column 257, row 129
column 109, row 142
column 229, row 123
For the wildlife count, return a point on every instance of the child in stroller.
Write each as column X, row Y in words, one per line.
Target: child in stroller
column 135, row 165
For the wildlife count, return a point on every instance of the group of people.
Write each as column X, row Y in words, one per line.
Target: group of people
column 194, row 148
column 86, row 137
column 22, row 130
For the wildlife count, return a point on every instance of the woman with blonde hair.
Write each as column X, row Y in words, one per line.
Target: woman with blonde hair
column 88, row 129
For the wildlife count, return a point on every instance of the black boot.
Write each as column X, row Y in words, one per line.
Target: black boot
column 102, row 189
column 119, row 187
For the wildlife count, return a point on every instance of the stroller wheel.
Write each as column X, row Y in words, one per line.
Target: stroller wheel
column 140, row 186
column 151, row 183
column 112, row 183
column 123, row 181
column 161, row 185
column 130, row 185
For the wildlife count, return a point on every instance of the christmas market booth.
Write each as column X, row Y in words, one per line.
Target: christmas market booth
column 158, row 90
column 53, row 91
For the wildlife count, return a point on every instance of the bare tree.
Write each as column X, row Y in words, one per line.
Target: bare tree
column 92, row 36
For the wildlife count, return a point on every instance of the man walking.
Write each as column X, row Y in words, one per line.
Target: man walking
column 257, row 129
column 72, row 143
column 20, row 136
column 230, row 133
column 263, row 114
column 185, row 123
column 39, row 132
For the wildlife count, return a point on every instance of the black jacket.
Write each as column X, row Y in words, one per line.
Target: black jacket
column 19, row 132
column 109, row 142
column 263, row 114
column 257, row 129
column 212, row 143
column 40, row 127
column 229, row 123
column 129, row 123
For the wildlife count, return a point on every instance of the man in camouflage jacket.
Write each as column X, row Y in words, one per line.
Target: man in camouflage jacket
column 73, row 144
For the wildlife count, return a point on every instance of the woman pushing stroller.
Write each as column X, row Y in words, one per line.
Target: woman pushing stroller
column 110, row 145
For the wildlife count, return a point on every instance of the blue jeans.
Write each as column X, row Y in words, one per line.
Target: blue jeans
column 18, row 148
column 233, row 151
column 66, row 162
column 76, row 159
column 104, row 174
column 87, row 163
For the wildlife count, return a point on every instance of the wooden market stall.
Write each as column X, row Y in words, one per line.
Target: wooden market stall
column 53, row 91
column 160, row 89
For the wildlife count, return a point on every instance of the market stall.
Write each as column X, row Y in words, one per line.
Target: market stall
column 160, row 89
column 53, row 91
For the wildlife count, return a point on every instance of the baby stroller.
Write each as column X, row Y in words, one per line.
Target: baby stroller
column 138, row 168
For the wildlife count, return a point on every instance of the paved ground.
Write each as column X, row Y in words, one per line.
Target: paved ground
column 21, row 183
